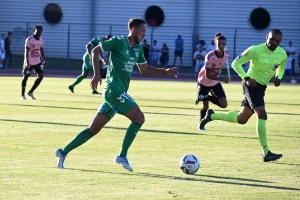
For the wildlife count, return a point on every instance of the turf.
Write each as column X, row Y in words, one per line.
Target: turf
column 230, row 155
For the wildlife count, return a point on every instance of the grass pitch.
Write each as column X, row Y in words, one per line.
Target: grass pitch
column 230, row 155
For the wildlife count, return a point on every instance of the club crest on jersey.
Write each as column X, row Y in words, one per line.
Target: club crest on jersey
column 275, row 67
column 239, row 57
column 127, row 52
column 136, row 54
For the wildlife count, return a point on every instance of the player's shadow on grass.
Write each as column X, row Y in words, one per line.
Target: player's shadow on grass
column 197, row 109
column 201, row 178
column 56, row 107
column 203, row 133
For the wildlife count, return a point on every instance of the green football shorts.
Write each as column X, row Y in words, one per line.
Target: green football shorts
column 87, row 66
column 115, row 101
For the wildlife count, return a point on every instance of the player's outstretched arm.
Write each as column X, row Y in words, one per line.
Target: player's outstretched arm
column 149, row 70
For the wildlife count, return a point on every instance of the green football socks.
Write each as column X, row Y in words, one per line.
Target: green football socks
column 261, row 130
column 129, row 137
column 80, row 139
column 230, row 116
column 78, row 80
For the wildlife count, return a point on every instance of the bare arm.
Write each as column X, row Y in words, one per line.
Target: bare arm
column 149, row 70
column 88, row 49
column 96, row 52
column 43, row 56
column 26, row 63
column 213, row 77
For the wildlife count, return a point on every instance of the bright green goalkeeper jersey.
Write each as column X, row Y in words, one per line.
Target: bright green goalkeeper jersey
column 264, row 63
column 122, row 61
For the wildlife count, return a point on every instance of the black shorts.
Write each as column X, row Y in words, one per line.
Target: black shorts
column 216, row 90
column 37, row 68
column 254, row 96
column 178, row 52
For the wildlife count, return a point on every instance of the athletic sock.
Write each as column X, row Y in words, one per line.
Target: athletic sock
column 36, row 84
column 214, row 100
column 230, row 116
column 261, row 130
column 80, row 139
column 129, row 137
column 202, row 114
column 23, row 85
column 78, row 80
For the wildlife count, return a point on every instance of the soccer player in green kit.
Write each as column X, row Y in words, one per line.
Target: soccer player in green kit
column 87, row 65
column 266, row 60
column 125, row 53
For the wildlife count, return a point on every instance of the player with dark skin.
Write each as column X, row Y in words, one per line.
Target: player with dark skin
column 220, row 45
column 37, row 32
column 266, row 60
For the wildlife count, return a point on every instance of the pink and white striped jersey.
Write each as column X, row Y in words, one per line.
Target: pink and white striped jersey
column 34, row 56
column 213, row 63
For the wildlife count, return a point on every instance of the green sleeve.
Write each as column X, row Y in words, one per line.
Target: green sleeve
column 141, row 58
column 246, row 56
column 110, row 45
column 280, row 69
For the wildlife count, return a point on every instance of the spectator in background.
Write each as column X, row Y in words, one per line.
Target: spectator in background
column 204, row 46
column 164, row 58
column 211, row 47
column 7, row 43
column 199, row 56
column 292, row 51
column 154, row 53
column 146, row 48
column 2, row 51
column 179, row 42
column 196, row 41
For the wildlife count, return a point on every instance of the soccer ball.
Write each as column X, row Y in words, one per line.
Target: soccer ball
column 293, row 81
column 189, row 164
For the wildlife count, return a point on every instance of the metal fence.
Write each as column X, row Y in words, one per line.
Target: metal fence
column 67, row 41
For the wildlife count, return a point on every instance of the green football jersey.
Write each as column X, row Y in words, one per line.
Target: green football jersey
column 95, row 41
column 264, row 63
column 122, row 61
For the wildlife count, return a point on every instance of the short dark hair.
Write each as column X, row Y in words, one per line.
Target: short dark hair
column 154, row 41
column 219, row 36
column 276, row 31
column 36, row 27
column 9, row 33
column 134, row 22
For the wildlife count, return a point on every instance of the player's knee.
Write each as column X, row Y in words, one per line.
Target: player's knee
column 141, row 118
column 242, row 120
column 223, row 105
column 84, row 75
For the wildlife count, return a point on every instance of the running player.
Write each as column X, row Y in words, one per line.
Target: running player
column 34, row 51
column 266, row 60
column 126, row 52
column 87, row 66
column 209, row 80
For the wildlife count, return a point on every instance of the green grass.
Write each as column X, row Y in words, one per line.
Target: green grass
column 230, row 155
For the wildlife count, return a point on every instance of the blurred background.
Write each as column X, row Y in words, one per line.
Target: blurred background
column 70, row 25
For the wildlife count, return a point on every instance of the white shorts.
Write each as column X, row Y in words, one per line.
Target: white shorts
column 2, row 56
